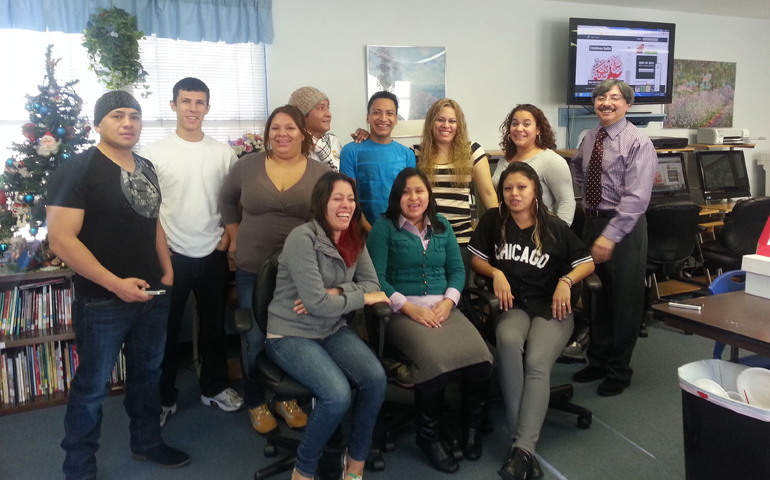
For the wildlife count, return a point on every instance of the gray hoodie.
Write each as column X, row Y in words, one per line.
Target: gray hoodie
column 308, row 265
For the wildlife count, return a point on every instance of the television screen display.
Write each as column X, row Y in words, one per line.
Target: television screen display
column 670, row 176
column 638, row 53
column 722, row 174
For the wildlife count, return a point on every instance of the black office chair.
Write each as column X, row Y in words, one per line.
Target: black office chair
column 671, row 241
column 277, row 381
column 484, row 307
column 739, row 235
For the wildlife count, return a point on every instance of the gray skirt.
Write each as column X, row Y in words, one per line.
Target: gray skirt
column 434, row 351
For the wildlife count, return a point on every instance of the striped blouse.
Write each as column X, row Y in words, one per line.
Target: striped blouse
column 453, row 195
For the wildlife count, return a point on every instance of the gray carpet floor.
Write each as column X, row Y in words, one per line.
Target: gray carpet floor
column 635, row 436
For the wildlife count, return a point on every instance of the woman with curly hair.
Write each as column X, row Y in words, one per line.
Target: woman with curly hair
column 528, row 138
column 451, row 163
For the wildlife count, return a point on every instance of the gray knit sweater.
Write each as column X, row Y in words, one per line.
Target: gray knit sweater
column 308, row 265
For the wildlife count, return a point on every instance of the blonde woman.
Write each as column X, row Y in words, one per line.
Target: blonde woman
column 451, row 163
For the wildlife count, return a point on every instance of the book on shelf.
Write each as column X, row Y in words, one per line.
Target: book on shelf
column 36, row 306
column 44, row 369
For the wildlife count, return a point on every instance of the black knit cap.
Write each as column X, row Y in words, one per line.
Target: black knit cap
column 113, row 100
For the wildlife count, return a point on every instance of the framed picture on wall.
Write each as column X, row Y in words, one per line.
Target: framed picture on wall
column 703, row 95
column 416, row 75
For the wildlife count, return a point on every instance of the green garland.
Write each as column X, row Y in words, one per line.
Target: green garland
column 111, row 39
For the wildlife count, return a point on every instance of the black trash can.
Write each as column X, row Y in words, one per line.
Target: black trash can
column 723, row 439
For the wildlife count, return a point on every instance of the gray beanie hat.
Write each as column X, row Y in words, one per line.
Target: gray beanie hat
column 112, row 100
column 306, row 98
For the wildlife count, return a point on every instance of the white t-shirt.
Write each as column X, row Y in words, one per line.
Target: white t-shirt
column 190, row 175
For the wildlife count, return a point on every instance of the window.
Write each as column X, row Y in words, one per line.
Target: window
column 235, row 74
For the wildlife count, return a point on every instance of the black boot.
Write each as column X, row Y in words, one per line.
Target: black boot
column 474, row 405
column 429, row 438
column 518, row 466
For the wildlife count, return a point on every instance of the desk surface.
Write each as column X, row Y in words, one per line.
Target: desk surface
column 735, row 318
column 703, row 146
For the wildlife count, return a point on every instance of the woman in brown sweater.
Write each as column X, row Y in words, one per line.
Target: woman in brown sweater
column 274, row 189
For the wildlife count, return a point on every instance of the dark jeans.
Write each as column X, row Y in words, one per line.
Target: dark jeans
column 620, row 302
column 101, row 328
column 329, row 367
column 253, row 392
column 208, row 278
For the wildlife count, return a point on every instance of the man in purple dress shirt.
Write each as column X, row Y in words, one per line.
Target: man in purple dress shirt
column 614, row 168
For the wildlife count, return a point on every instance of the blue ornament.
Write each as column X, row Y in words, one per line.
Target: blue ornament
column 65, row 156
column 28, row 106
column 43, row 109
column 61, row 131
column 9, row 162
column 36, row 105
column 29, row 198
column 33, row 230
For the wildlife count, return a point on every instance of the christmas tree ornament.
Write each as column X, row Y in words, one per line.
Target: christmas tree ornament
column 36, row 106
column 47, row 145
column 65, row 156
column 3, row 200
column 43, row 109
column 28, row 198
column 29, row 130
column 33, row 231
column 60, row 131
column 9, row 162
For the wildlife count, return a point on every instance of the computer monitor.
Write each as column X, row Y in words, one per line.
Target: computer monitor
column 637, row 52
column 722, row 174
column 670, row 177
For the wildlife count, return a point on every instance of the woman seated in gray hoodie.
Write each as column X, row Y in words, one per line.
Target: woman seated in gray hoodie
column 325, row 272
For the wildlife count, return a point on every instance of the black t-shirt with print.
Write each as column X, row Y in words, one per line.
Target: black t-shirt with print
column 533, row 276
column 120, row 215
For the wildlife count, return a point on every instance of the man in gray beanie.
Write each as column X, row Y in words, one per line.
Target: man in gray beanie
column 102, row 219
column 314, row 104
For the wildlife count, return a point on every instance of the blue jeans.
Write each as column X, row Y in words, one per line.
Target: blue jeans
column 102, row 326
column 329, row 367
column 253, row 392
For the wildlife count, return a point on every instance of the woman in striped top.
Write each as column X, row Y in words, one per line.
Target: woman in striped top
column 452, row 162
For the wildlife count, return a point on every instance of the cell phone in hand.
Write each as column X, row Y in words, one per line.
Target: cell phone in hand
column 155, row 292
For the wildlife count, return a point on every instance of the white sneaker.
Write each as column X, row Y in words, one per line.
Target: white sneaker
column 167, row 412
column 227, row 400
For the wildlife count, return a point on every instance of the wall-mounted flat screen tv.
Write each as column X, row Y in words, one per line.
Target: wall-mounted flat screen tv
column 639, row 53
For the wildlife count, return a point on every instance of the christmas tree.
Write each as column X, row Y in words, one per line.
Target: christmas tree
column 55, row 133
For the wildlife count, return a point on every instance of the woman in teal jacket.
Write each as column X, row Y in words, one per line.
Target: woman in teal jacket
column 419, row 267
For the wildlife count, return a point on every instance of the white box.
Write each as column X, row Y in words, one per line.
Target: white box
column 757, row 269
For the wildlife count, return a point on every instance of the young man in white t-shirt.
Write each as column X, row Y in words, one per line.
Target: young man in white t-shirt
column 191, row 168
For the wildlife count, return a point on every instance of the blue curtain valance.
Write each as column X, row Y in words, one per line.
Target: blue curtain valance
column 231, row 21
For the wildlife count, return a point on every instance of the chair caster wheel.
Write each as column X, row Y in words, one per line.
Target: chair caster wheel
column 377, row 464
column 389, row 446
column 270, row 450
column 584, row 421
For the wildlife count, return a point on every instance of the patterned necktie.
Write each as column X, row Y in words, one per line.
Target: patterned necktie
column 594, row 181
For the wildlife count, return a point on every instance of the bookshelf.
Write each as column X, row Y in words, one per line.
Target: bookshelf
column 37, row 353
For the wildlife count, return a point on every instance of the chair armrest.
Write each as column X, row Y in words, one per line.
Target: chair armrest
column 377, row 316
column 243, row 320
column 593, row 283
column 382, row 310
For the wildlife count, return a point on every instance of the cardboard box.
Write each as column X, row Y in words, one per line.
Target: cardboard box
column 757, row 269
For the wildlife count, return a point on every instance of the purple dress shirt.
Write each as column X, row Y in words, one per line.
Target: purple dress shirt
column 628, row 171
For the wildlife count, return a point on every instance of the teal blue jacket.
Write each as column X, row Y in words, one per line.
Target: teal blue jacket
column 403, row 266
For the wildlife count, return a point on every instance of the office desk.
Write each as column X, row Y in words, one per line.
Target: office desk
column 736, row 319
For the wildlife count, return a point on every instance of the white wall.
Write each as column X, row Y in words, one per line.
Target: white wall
column 499, row 53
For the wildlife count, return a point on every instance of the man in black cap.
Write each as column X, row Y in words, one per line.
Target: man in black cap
column 102, row 218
